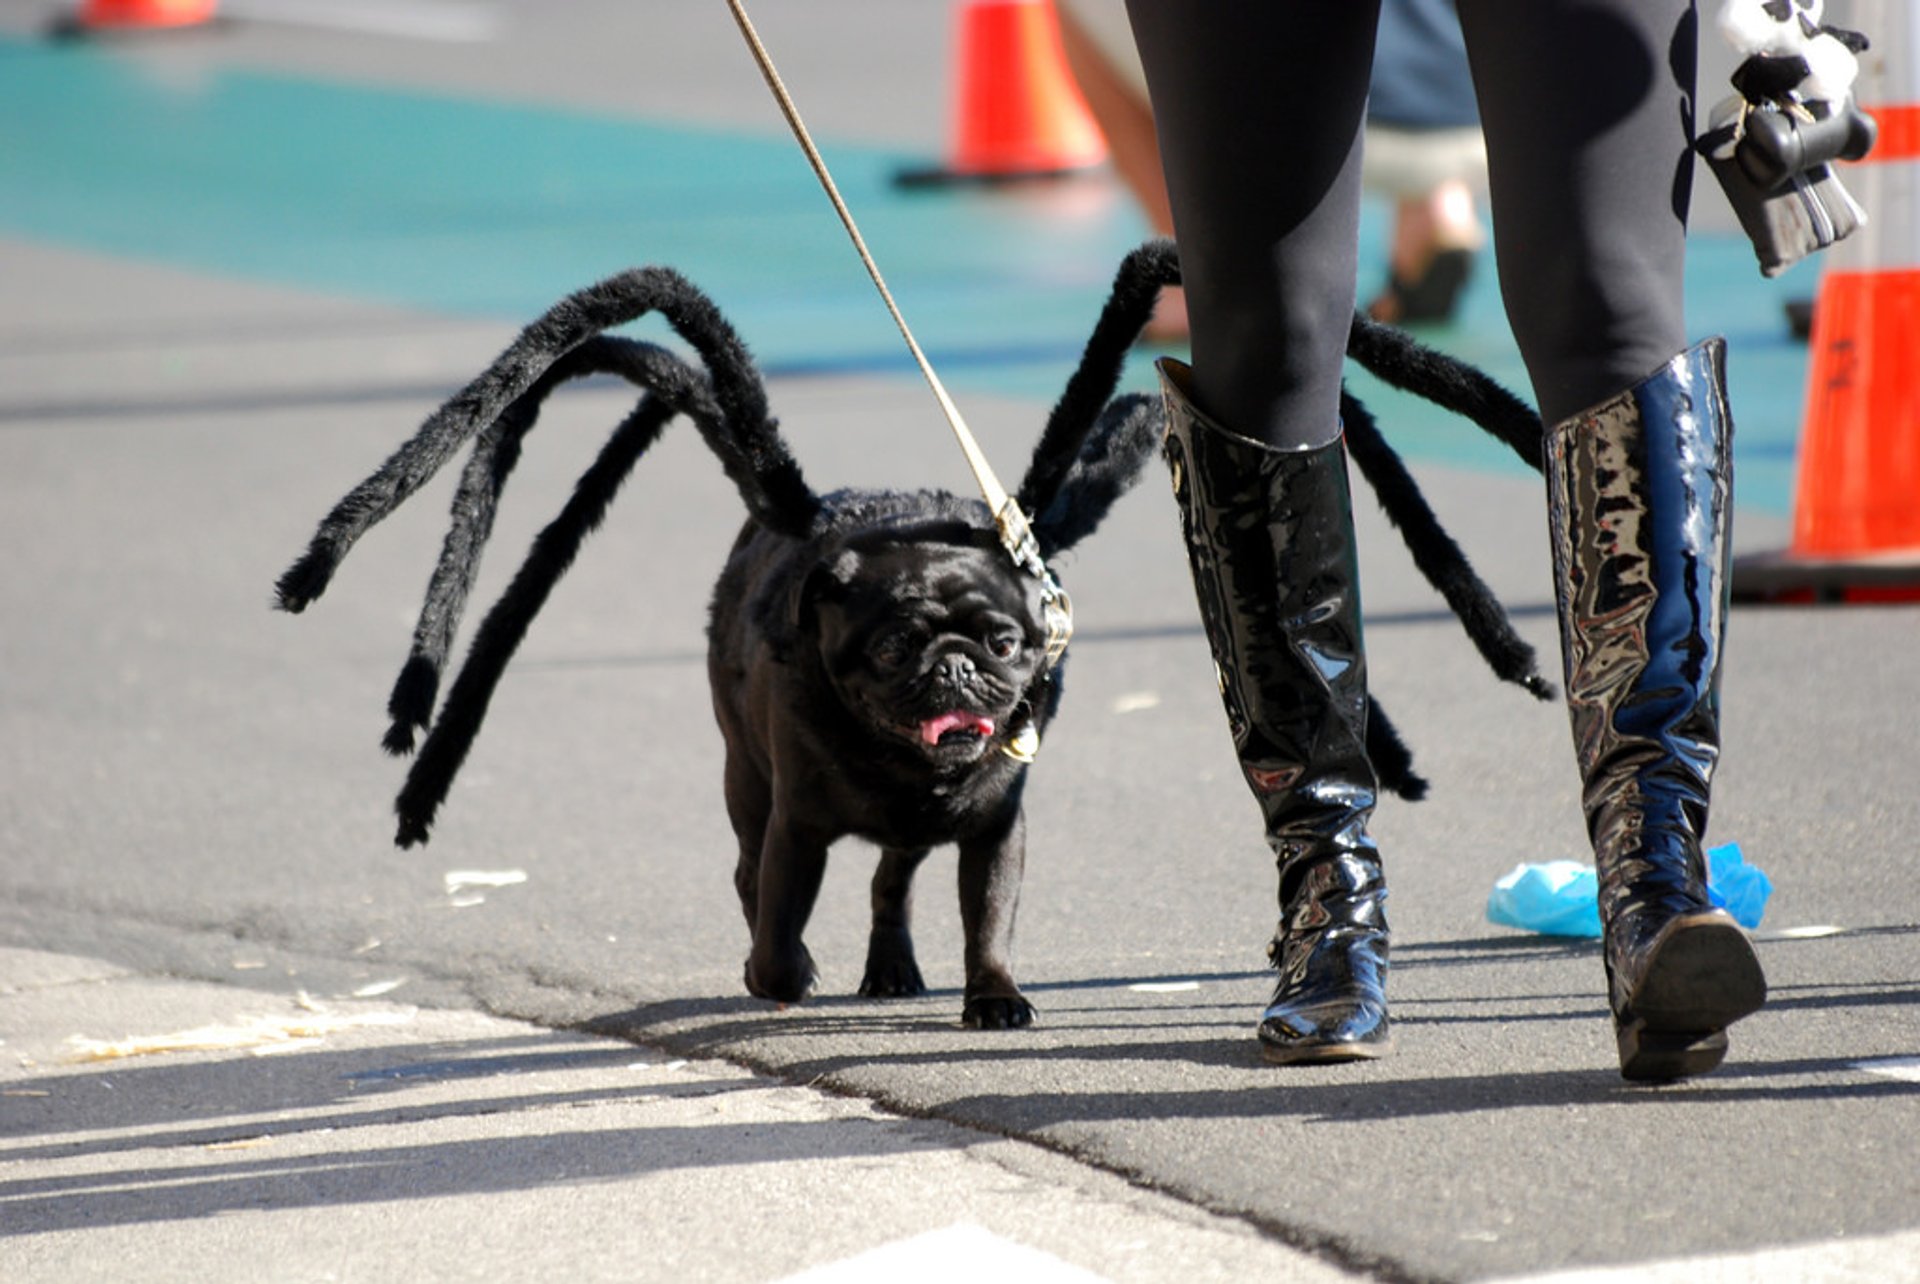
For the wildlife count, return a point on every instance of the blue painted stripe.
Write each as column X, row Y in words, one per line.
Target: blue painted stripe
column 486, row 208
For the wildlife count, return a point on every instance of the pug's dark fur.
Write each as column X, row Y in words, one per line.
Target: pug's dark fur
column 877, row 660
column 874, row 681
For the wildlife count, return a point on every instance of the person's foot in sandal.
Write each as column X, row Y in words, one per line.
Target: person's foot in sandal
column 1435, row 242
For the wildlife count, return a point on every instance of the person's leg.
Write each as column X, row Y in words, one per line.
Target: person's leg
column 1260, row 148
column 1259, row 109
column 1107, row 69
column 1436, row 234
column 1425, row 153
column 1587, row 110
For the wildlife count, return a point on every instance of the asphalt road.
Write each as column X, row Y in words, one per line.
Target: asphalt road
column 191, row 782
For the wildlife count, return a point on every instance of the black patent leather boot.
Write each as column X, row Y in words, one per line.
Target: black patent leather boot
column 1269, row 537
column 1639, row 502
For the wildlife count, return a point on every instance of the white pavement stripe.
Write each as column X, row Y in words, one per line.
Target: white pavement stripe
column 443, row 20
column 1907, row 1068
column 960, row 1253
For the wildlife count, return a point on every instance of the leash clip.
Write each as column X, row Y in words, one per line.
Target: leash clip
column 1016, row 535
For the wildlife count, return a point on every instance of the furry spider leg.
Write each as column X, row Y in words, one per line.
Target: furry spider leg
column 475, row 502
column 1439, row 559
column 1091, row 386
column 1402, row 361
column 1439, row 378
column 1436, row 554
column 758, row 463
column 410, row 706
column 1125, row 436
column 1397, row 358
column 673, row 387
column 500, row 634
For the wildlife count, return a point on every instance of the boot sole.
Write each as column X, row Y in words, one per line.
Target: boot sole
column 1701, row 977
column 1306, row 1054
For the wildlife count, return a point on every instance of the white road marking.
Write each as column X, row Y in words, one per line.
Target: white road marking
column 1907, row 1068
column 961, row 1252
column 444, row 20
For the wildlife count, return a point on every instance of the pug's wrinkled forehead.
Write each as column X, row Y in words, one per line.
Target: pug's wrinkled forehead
column 924, row 532
column 906, row 570
column 959, row 567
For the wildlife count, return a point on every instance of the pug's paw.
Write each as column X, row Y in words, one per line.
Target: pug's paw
column 892, row 972
column 783, row 980
column 997, row 1012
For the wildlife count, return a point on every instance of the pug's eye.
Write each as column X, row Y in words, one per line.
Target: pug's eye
column 892, row 649
column 1003, row 646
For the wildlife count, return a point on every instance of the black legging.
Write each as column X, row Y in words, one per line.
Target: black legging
column 1587, row 106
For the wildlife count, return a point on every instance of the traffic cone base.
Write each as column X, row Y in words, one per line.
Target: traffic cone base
column 135, row 15
column 1856, row 513
column 1856, row 516
column 1785, row 579
column 1018, row 112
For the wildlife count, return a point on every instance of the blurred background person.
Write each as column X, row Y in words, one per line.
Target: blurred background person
column 1424, row 151
column 1098, row 41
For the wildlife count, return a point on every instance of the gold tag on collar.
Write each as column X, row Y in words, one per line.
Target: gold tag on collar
column 1025, row 744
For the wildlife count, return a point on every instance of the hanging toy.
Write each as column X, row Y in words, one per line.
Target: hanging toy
column 1772, row 143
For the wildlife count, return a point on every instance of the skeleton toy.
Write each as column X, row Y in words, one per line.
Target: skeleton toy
column 1771, row 144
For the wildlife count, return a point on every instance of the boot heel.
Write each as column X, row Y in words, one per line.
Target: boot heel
column 1656, row 1056
column 1700, row 976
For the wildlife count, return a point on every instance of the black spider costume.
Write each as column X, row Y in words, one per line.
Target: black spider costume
column 1093, row 438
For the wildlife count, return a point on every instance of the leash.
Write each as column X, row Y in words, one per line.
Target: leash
column 1016, row 532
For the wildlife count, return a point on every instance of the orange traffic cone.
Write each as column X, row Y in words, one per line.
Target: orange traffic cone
column 136, row 15
column 1017, row 111
column 1856, row 519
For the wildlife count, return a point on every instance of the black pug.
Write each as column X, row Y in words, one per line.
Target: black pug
column 880, row 664
column 886, row 678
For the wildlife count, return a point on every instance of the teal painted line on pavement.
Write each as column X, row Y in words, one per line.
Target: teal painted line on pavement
column 484, row 208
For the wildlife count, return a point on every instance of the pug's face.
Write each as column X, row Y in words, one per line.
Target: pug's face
column 931, row 645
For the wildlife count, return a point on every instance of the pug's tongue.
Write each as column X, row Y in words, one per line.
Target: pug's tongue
column 933, row 728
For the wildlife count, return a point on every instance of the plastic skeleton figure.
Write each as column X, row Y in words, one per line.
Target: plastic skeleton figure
column 1771, row 143
column 1816, row 64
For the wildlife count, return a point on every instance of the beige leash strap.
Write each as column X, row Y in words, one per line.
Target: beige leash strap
column 1015, row 531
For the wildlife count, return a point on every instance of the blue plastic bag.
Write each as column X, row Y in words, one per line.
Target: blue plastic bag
column 1559, row 898
column 1736, row 886
column 1562, row 897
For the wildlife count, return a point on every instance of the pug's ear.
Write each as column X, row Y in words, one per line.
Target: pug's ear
column 828, row 578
